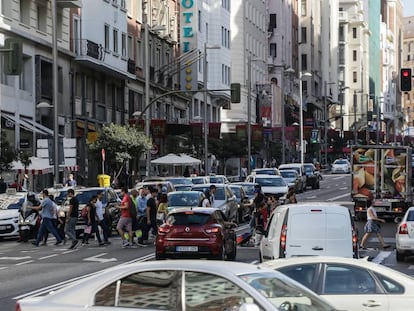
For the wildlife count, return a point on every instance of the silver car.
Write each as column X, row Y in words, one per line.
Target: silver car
column 341, row 166
column 180, row 285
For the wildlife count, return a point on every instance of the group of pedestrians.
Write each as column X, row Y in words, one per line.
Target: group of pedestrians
column 142, row 212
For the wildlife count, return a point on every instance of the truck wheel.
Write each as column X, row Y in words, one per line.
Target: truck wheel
column 400, row 256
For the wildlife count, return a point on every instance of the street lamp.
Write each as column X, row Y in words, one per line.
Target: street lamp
column 326, row 117
column 302, row 147
column 205, row 77
column 55, row 93
column 287, row 71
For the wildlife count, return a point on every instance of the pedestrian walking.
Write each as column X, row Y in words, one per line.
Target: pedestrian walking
column 72, row 218
column 92, row 225
column 206, row 201
column 259, row 221
column 373, row 225
column 125, row 221
column 54, row 221
column 151, row 212
column 100, row 217
column 291, row 196
column 213, row 190
column 142, row 216
column 47, row 209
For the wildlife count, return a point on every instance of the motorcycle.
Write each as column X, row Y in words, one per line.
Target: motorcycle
column 29, row 220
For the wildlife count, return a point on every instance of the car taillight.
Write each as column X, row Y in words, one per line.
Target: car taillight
column 212, row 230
column 354, row 241
column 403, row 229
column 398, row 209
column 18, row 307
column 163, row 229
column 282, row 245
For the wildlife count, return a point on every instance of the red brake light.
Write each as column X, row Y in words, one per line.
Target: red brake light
column 212, row 230
column 282, row 247
column 18, row 307
column 403, row 229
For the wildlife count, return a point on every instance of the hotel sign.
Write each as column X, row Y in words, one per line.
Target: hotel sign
column 188, row 42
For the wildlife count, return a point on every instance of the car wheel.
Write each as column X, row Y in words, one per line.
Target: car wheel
column 400, row 256
column 159, row 256
column 232, row 255
column 222, row 254
column 260, row 257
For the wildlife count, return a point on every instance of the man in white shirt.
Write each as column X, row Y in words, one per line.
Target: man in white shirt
column 101, row 219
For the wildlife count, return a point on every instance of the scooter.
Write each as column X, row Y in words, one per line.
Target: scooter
column 29, row 220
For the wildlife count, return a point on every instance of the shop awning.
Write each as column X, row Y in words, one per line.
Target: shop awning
column 38, row 166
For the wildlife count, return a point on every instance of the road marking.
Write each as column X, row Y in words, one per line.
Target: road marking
column 381, row 256
column 24, row 262
column 70, row 251
column 53, row 255
column 95, row 258
column 339, row 197
column 411, row 267
column 2, row 268
column 15, row 258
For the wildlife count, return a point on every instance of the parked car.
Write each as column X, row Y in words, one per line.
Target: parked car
column 200, row 232
column 224, row 199
column 198, row 180
column 312, row 178
column 350, row 284
column 243, row 202
column 309, row 229
column 341, row 166
column 266, row 171
column 177, row 199
column 292, row 179
column 299, row 168
column 180, row 285
column 271, row 185
column 10, row 203
column 404, row 237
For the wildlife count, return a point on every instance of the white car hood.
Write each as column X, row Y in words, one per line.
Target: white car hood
column 274, row 189
column 8, row 213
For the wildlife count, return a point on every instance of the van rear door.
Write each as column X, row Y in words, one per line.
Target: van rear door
column 319, row 230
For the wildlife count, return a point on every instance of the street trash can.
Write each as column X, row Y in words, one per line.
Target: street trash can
column 104, row 180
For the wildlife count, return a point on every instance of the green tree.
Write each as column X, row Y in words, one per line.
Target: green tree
column 7, row 154
column 121, row 143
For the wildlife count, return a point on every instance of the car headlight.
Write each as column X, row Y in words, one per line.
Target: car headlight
column 30, row 218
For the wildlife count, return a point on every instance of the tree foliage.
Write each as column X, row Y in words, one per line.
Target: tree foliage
column 121, row 143
column 7, row 154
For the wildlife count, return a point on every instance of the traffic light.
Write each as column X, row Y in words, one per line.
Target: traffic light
column 13, row 57
column 405, row 80
column 235, row 92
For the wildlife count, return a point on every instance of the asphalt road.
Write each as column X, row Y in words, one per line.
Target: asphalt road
column 27, row 270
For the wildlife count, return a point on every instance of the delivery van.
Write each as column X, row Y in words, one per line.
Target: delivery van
column 309, row 229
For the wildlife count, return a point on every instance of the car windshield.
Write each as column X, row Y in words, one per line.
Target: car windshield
column 249, row 189
column 84, row 196
column 286, row 174
column 11, row 204
column 61, row 197
column 265, row 172
column 340, row 162
column 197, row 181
column 282, row 293
column 219, row 195
column 187, row 219
column 271, row 182
column 236, row 191
column 297, row 169
column 183, row 199
column 179, row 181
column 216, row 180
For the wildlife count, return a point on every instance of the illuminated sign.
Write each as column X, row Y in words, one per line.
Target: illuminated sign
column 188, row 40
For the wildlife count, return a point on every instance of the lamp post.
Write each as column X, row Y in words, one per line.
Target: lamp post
column 326, row 117
column 285, row 72
column 302, row 145
column 55, row 94
column 205, row 80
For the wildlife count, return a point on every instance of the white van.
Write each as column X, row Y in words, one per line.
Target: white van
column 299, row 168
column 309, row 229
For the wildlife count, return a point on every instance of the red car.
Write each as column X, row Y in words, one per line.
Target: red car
column 196, row 232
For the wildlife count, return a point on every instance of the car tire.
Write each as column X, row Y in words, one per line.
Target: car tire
column 399, row 256
column 159, row 256
column 232, row 255
column 260, row 257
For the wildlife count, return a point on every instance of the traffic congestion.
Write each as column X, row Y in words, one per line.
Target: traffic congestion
column 254, row 221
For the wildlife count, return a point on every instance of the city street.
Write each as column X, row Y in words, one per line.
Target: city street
column 27, row 270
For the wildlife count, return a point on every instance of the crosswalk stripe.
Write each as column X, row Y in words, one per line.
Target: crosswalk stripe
column 381, row 256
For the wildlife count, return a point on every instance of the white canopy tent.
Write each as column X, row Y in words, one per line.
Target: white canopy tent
column 176, row 160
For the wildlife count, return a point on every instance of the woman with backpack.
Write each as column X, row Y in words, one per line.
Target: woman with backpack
column 91, row 221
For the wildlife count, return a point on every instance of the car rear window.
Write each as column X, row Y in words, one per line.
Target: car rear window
column 188, row 219
column 183, row 199
column 410, row 216
column 287, row 174
column 268, row 182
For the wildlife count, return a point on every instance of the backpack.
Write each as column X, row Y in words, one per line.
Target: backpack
column 132, row 208
column 84, row 211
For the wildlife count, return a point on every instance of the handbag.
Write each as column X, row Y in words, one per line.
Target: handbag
column 88, row 229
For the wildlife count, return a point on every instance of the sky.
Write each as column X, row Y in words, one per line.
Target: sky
column 408, row 7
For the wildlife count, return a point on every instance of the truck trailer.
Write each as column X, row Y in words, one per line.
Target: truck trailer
column 381, row 174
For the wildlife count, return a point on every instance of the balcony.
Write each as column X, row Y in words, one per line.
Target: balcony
column 84, row 47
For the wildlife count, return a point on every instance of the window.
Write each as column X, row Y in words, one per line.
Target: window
column 115, row 41
column 303, row 8
column 390, row 286
column 272, row 22
column 304, row 62
column 303, row 274
column 355, row 77
column 25, row 11
column 123, row 45
column 41, row 17
column 140, row 54
column 344, row 279
column 303, row 37
column 130, row 47
column 107, row 38
column 273, row 50
column 354, row 33
column 354, row 55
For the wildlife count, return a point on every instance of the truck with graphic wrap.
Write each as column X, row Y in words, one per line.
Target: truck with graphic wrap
column 382, row 174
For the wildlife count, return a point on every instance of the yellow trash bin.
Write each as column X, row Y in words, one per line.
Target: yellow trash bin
column 104, row 180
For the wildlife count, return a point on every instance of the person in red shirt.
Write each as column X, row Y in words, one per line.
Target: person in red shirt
column 125, row 221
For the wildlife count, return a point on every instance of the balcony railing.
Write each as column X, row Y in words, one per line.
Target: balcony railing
column 85, row 47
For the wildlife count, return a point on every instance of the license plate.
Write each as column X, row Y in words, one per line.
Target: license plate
column 80, row 227
column 380, row 209
column 3, row 227
column 24, row 227
column 187, row 248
